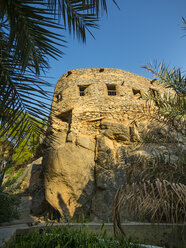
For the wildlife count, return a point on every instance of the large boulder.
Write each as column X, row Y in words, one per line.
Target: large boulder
column 82, row 175
column 69, row 179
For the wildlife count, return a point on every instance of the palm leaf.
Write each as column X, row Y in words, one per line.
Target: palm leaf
column 28, row 27
column 32, row 26
column 156, row 201
column 78, row 16
column 21, row 97
column 184, row 24
column 171, row 78
column 171, row 107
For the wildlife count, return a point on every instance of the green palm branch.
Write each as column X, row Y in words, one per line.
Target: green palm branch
column 21, row 96
column 171, row 107
column 184, row 24
column 171, row 78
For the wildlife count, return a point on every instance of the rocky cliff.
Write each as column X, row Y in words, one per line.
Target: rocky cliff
column 99, row 121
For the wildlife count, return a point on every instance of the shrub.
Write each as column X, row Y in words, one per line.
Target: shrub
column 11, row 180
column 8, row 206
column 66, row 237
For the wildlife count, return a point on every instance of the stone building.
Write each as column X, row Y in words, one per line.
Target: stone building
column 99, row 116
column 84, row 97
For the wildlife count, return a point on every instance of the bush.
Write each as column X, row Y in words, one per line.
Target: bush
column 9, row 171
column 13, row 179
column 66, row 237
column 8, row 206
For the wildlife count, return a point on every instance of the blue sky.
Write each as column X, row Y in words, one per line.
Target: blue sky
column 141, row 31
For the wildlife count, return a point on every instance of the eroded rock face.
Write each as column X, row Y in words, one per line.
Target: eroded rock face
column 100, row 119
column 109, row 175
column 69, row 178
column 82, row 177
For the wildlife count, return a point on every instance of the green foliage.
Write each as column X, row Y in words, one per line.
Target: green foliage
column 28, row 147
column 4, row 164
column 9, row 171
column 22, row 154
column 13, row 179
column 61, row 237
column 171, row 78
column 171, row 107
column 8, row 206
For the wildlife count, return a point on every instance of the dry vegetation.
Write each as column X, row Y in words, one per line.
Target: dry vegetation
column 155, row 189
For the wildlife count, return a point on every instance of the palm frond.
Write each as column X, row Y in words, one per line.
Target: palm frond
column 29, row 28
column 184, row 24
column 158, row 165
column 89, row 6
column 153, row 201
column 171, row 78
column 171, row 108
column 79, row 15
column 32, row 26
column 21, row 98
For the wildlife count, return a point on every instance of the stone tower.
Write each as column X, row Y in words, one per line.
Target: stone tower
column 99, row 116
column 84, row 97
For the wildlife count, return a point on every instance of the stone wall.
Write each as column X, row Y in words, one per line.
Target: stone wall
column 85, row 112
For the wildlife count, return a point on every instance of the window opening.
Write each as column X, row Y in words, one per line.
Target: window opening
column 111, row 90
column 82, row 90
column 101, row 70
column 153, row 81
column 136, row 92
column 69, row 73
column 59, row 97
column 66, row 117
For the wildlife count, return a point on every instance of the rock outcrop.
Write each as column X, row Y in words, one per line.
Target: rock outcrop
column 69, row 178
column 98, row 119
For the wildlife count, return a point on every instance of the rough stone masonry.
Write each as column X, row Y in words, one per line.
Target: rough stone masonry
column 99, row 116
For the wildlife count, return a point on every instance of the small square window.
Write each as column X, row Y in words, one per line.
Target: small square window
column 137, row 93
column 82, row 90
column 111, row 90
